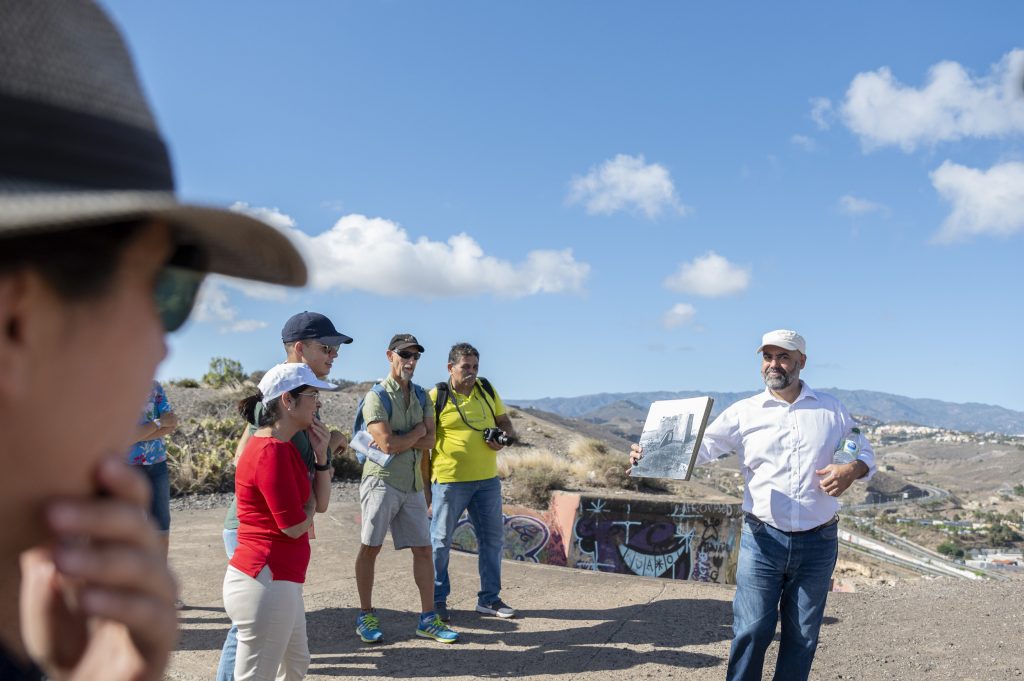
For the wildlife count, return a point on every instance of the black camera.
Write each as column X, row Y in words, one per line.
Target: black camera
column 498, row 437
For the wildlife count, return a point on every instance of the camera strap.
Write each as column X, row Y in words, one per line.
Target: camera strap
column 455, row 401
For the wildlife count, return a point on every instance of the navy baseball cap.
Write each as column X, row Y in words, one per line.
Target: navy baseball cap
column 312, row 325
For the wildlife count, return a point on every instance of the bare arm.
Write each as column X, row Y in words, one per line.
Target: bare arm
column 505, row 423
column 296, row 531
column 390, row 443
column 150, row 431
column 241, row 444
column 426, row 443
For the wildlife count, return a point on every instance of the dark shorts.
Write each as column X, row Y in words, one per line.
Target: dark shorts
column 160, row 484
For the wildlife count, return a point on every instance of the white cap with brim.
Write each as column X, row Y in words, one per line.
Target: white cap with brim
column 289, row 376
column 79, row 146
column 783, row 338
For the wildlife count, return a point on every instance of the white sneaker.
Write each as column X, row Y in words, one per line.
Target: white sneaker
column 497, row 608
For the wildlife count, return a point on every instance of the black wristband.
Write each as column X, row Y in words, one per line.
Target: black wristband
column 322, row 467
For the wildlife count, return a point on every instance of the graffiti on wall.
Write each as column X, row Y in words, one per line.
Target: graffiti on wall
column 695, row 541
column 527, row 538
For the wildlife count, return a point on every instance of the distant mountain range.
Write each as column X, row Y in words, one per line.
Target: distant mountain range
column 623, row 408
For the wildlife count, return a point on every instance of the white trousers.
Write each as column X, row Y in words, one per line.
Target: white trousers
column 271, row 621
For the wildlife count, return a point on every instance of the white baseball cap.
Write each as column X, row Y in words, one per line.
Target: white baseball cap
column 287, row 377
column 783, row 338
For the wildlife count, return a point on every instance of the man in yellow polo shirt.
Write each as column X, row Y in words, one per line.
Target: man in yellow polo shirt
column 472, row 427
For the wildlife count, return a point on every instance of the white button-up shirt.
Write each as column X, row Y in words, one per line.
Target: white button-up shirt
column 780, row 445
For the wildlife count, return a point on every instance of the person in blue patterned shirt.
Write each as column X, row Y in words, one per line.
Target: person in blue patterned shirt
column 149, row 453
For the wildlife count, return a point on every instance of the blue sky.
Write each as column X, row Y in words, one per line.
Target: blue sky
column 613, row 196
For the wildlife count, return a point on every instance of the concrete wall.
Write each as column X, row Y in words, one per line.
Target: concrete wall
column 672, row 539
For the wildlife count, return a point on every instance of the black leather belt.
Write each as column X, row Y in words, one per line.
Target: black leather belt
column 754, row 519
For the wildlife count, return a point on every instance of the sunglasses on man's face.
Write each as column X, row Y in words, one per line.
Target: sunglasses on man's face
column 175, row 294
column 407, row 354
column 328, row 349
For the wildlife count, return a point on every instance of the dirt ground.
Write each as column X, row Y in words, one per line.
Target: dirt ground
column 584, row 625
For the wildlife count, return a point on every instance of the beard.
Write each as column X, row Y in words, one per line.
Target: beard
column 778, row 379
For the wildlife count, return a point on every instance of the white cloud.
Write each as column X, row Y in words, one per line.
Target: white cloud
column 679, row 314
column 851, row 205
column 985, row 202
column 378, row 256
column 709, row 275
column 272, row 216
column 951, row 105
column 804, row 142
column 213, row 307
column 626, row 183
column 821, row 112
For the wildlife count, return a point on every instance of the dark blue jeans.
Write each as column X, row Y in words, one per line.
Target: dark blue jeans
column 482, row 498
column 160, row 504
column 780, row 575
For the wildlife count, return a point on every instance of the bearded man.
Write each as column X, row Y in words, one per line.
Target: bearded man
column 785, row 438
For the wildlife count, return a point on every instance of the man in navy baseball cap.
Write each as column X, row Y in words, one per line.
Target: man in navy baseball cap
column 312, row 325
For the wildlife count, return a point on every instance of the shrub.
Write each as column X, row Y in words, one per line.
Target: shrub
column 346, row 466
column 224, row 372
column 185, row 383
column 948, row 548
column 531, row 475
column 200, row 455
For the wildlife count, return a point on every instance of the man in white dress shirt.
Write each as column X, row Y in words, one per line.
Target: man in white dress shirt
column 785, row 438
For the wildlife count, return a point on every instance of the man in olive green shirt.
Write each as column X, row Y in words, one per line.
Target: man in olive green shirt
column 391, row 495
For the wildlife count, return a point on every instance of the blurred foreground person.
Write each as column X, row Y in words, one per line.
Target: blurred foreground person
column 276, row 505
column 785, row 438
column 97, row 262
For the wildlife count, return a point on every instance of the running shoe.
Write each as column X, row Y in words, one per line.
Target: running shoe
column 498, row 608
column 368, row 627
column 431, row 626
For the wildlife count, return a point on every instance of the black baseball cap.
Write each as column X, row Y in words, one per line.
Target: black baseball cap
column 310, row 325
column 401, row 341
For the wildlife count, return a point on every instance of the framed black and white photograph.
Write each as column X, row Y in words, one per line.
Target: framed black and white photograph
column 671, row 438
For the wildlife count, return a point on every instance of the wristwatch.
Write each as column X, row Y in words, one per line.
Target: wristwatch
column 322, row 467
column 156, row 422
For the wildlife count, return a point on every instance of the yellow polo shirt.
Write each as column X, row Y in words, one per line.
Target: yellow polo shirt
column 460, row 453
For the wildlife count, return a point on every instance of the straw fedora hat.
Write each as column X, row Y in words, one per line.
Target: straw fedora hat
column 80, row 147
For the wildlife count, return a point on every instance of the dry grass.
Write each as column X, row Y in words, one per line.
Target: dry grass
column 531, row 475
column 595, row 465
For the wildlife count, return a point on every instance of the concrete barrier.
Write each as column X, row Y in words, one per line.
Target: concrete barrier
column 668, row 538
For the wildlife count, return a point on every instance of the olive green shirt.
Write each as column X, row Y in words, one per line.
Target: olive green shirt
column 403, row 473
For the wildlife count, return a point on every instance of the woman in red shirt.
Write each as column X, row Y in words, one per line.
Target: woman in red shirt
column 263, row 584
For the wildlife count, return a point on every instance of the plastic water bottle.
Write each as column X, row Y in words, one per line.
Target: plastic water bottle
column 848, row 449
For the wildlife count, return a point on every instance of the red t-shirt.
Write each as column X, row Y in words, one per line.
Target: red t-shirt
column 271, row 486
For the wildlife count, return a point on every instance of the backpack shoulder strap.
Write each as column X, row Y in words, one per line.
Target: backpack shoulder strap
column 385, row 399
column 359, row 423
column 441, row 402
column 486, row 385
column 421, row 395
column 489, row 389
